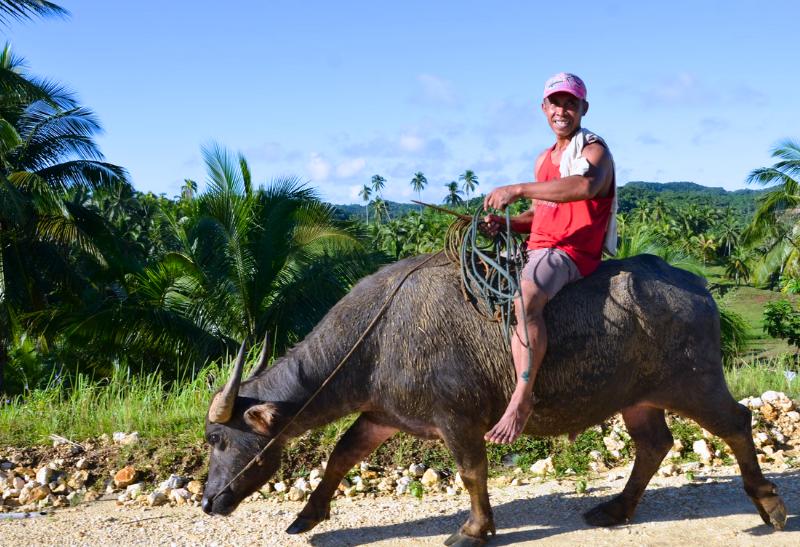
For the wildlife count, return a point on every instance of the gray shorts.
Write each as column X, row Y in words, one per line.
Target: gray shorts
column 550, row 270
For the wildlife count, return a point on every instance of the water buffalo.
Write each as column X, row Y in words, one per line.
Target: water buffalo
column 636, row 337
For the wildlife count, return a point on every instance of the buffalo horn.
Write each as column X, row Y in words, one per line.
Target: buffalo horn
column 222, row 405
column 262, row 360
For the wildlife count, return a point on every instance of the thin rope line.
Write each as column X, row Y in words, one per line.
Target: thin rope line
column 391, row 296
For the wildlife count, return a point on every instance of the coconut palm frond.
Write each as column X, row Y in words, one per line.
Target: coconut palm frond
column 27, row 9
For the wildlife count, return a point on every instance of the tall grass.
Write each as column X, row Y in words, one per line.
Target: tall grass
column 125, row 402
column 175, row 412
column 753, row 377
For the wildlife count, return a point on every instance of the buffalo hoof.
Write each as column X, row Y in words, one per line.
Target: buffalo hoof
column 772, row 511
column 301, row 525
column 610, row 513
column 462, row 540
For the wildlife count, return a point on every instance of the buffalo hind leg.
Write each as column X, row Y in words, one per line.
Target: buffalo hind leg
column 469, row 451
column 652, row 438
column 364, row 436
column 720, row 414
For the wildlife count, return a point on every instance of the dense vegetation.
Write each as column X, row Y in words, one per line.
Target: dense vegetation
column 98, row 280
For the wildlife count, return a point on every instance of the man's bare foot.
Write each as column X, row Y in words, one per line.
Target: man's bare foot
column 511, row 424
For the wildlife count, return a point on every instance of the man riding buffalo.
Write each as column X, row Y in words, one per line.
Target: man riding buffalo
column 568, row 222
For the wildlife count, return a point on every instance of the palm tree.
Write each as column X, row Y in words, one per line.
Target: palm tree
column 418, row 184
column 704, row 245
column 737, row 267
column 26, row 9
column 454, row 194
column 378, row 183
column 785, row 192
column 365, row 193
column 47, row 148
column 470, row 181
column 242, row 262
column 188, row 190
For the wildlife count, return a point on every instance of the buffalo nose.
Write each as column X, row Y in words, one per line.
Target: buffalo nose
column 207, row 505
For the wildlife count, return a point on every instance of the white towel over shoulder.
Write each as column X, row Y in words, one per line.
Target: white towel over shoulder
column 573, row 163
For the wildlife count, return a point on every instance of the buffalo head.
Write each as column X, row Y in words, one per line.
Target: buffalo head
column 237, row 430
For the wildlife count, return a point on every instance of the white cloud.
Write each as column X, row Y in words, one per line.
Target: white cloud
column 434, row 90
column 350, row 167
column 318, row 167
column 411, row 143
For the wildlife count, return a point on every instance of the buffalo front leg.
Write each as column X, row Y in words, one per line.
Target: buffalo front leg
column 649, row 431
column 469, row 451
column 364, row 436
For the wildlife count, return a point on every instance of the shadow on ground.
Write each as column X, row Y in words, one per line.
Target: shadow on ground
column 558, row 513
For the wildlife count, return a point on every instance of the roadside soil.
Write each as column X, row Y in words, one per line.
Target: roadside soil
column 712, row 510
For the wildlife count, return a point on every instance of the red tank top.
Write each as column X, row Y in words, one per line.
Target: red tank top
column 577, row 227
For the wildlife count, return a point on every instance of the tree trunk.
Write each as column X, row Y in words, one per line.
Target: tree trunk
column 3, row 362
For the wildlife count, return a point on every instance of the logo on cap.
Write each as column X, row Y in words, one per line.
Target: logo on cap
column 567, row 83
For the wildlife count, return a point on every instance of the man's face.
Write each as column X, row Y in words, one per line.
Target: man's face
column 564, row 113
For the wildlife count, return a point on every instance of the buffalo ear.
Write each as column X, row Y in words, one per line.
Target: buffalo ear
column 261, row 417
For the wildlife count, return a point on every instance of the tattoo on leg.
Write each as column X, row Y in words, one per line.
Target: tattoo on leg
column 525, row 376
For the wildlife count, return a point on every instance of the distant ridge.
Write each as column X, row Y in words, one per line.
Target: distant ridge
column 685, row 186
column 631, row 195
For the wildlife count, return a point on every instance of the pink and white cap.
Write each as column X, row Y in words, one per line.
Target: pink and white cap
column 566, row 83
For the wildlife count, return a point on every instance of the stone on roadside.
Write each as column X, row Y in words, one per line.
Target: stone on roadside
column 450, row 491
column 280, row 487
column 82, row 463
column 125, row 476
column 154, row 499
column 701, row 448
column 430, row 477
column 180, row 496
column 195, row 487
column 134, row 490
column 416, row 470
column 543, row 467
column 45, row 475
column 171, row 483
column 669, row 470
column 458, row 481
column 296, row 494
column 350, row 492
column 315, row 474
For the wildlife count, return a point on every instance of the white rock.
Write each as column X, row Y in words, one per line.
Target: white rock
column 156, row 498
column 296, row 494
column 315, row 474
column 134, row 490
column 793, row 416
column 313, row 483
column 515, row 482
column 416, row 470
column 701, row 448
column 118, row 436
column 755, row 403
column 44, row 475
column 543, row 467
column 402, row 485
column 173, row 482
column 458, row 481
column 280, row 487
column 82, row 463
column 451, row 491
column 761, row 439
column 595, row 455
column 350, row 492
column 180, row 495
column 130, row 439
column 363, row 466
column 18, row 483
column 669, row 470
column 772, row 396
column 613, row 443
column 301, row 484
column 430, row 477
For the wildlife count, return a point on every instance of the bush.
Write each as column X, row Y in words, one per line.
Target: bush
column 782, row 320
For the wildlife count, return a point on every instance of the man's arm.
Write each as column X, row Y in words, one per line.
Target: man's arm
column 595, row 183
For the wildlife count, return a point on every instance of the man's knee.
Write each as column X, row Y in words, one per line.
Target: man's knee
column 534, row 299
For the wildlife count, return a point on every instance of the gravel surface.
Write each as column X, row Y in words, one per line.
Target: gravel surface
column 672, row 512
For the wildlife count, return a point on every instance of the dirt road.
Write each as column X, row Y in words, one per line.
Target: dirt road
column 672, row 512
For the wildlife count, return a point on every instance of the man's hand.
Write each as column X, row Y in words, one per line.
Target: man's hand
column 491, row 225
column 499, row 198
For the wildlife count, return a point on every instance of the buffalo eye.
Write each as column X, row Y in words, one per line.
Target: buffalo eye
column 213, row 439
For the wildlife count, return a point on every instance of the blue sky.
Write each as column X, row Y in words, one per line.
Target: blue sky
column 334, row 92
